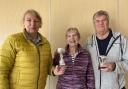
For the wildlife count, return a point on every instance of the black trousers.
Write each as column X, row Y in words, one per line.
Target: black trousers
column 123, row 88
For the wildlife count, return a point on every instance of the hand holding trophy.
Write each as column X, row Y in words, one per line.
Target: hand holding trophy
column 62, row 65
column 102, row 61
column 106, row 64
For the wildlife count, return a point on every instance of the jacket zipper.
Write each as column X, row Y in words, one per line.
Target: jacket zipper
column 39, row 65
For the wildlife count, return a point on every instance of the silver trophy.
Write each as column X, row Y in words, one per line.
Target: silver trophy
column 61, row 51
column 103, row 60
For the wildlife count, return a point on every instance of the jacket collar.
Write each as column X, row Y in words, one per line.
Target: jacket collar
column 114, row 35
column 41, row 39
column 80, row 49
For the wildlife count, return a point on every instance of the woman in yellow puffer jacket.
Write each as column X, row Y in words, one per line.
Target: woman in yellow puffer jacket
column 25, row 58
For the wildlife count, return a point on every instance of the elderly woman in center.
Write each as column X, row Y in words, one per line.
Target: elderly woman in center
column 78, row 73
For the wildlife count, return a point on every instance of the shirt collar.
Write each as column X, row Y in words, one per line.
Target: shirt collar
column 35, row 41
column 79, row 48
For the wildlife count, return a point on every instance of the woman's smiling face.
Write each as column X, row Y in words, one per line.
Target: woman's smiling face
column 72, row 38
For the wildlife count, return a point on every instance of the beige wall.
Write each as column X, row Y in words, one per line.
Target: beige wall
column 58, row 15
column 11, row 13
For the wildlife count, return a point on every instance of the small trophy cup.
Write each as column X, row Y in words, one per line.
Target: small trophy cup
column 102, row 61
column 61, row 51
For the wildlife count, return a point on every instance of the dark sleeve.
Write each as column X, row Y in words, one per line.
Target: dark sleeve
column 56, row 58
column 90, row 74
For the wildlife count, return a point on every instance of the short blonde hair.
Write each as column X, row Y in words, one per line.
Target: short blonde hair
column 35, row 13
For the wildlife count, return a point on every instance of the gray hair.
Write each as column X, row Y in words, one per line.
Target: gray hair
column 73, row 29
column 101, row 13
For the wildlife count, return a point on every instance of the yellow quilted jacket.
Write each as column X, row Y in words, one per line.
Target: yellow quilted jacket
column 24, row 65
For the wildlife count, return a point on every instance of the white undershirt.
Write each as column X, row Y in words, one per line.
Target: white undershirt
column 74, row 56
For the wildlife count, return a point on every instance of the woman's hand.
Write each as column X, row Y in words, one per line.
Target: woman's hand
column 59, row 70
